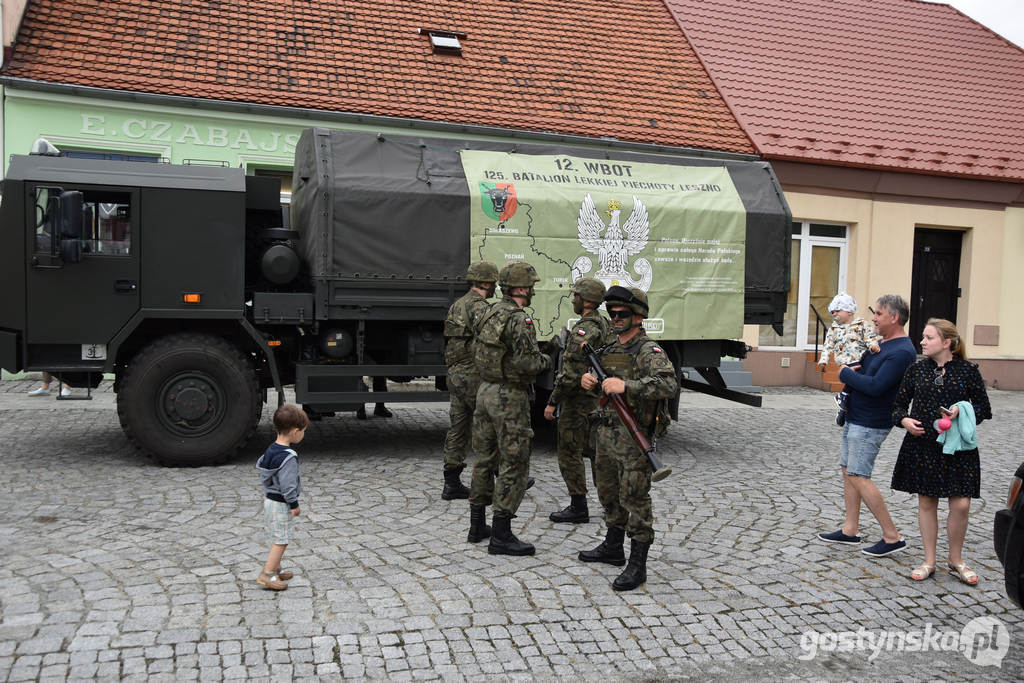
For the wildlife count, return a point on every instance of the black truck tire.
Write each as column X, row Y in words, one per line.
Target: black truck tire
column 189, row 399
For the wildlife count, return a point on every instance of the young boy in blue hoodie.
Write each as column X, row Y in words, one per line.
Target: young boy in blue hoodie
column 279, row 472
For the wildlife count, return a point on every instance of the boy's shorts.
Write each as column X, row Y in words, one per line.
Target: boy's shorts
column 859, row 448
column 280, row 522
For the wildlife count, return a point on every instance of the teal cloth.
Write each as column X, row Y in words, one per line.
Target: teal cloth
column 963, row 434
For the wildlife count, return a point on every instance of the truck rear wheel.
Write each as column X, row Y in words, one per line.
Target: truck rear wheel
column 189, row 399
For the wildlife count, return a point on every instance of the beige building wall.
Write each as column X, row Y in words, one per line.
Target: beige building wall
column 880, row 261
column 11, row 11
column 1011, row 304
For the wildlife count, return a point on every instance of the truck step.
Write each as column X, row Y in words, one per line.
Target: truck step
column 736, row 378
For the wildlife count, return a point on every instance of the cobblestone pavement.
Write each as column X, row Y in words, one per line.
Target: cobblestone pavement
column 118, row 568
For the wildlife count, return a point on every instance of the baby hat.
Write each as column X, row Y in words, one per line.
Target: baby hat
column 843, row 302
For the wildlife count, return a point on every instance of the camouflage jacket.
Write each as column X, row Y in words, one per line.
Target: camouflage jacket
column 593, row 329
column 463, row 318
column 506, row 346
column 649, row 374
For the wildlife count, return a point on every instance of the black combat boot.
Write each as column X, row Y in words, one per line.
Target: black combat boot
column 635, row 572
column 453, row 487
column 610, row 550
column 503, row 541
column 576, row 513
column 478, row 529
column 530, row 481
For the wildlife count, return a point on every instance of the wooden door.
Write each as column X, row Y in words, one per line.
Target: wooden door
column 936, row 278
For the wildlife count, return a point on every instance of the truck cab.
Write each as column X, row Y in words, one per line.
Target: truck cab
column 103, row 257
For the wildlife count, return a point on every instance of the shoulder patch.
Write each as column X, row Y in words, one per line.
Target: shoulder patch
column 657, row 349
column 528, row 321
column 582, row 333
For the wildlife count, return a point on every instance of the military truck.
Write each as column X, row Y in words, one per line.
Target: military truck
column 186, row 283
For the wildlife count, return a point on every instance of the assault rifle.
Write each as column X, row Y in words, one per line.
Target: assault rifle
column 626, row 415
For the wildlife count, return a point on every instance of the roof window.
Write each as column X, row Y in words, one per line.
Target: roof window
column 444, row 42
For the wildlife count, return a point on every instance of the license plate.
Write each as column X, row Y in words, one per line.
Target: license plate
column 94, row 351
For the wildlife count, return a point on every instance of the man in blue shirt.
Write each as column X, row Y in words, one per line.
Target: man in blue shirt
column 872, row 388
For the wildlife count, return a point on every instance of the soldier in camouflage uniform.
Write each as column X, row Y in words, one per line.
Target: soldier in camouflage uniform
column 507, row 359
column 463, row 380
column 643, row 374
column 576, row 404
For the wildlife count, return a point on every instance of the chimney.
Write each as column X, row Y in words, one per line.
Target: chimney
column 11, row 12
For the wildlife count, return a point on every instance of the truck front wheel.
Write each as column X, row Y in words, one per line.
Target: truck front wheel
column 189, row 399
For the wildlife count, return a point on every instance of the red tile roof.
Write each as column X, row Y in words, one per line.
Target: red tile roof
column 880, row 83
column 616, row 68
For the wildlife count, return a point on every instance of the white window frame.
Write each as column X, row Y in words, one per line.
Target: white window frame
column 803, row 307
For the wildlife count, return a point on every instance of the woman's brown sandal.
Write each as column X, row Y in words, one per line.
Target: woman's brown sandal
column 923, row 572
column 964, row 573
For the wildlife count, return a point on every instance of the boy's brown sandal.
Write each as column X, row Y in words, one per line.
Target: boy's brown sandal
column 271, row 581
column 284, row 574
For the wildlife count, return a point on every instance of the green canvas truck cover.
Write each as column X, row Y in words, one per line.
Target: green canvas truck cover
column 707, row 237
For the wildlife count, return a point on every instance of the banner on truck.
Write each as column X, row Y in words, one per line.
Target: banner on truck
column 676, row 232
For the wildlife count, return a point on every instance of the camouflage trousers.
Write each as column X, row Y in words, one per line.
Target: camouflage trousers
column 624, row 483
column 462, row 386
column 574, row 443
column 502, row 439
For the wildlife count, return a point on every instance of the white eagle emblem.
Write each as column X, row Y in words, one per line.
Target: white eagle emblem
column 616, row 246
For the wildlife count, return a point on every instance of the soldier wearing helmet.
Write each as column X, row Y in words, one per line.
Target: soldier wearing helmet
column 507, row 358
column 482, row 273
column 643, row 374
column 518, row 275
column 574, row 404
column 463, row 380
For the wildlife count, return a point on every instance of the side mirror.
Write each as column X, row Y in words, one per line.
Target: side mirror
column 69, row 213
column 71, row 205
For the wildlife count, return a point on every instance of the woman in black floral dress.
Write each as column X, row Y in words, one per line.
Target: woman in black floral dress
column 941, row 380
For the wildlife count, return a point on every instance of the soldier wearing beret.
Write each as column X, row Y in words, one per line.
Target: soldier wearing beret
column 640, row 371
